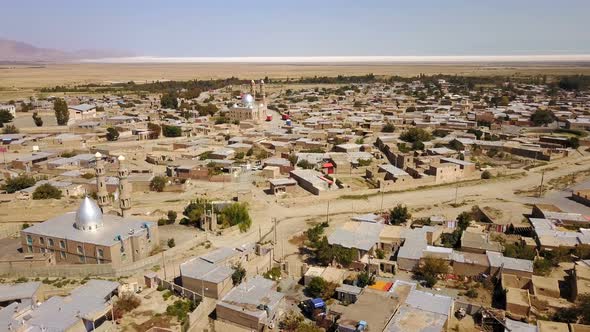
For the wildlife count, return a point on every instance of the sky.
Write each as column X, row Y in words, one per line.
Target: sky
column 220, row 28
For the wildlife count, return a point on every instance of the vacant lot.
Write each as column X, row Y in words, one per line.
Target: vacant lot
column 19, row 80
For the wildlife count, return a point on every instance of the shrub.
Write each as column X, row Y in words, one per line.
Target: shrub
column 365, row 279
column 388, row 128
column 19, row 183
column 172, row 216
column 413, row 135
column 180, row 309
column 542, row 266
column 171, row 131
column 46, row 191
column 399, row 214
column 236, row 214
column 112, row 134
column 486, row 175
column 430, row 268
column 318, row 287
column 37, row 119
column 273, row 274
column 471, row 293
column 158, row 183
column 5, row 117
column 124, row 304
column 380, row 254
column 239, row 274
column 10, row 129
column 171, row 243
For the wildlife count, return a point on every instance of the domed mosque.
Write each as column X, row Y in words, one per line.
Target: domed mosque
column 88, row 236
column 88, row 216
column 250, row 109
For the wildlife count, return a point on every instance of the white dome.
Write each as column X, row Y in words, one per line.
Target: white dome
column 88, row 216
column 248, row 99
column 98, row 155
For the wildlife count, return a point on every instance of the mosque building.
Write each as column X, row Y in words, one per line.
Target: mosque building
column 250, row 109
column 88, row 236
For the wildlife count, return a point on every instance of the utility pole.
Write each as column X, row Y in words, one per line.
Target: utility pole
column 328, row 212
column 164, row 265
column 456, row 193
column 275, row 221
column 541, row 186
column 382, row 193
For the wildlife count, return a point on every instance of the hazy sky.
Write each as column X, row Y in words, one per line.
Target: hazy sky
column 302, row 27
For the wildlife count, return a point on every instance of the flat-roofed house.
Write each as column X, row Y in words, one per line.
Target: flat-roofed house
column 81, row 112
column 206, row 278
column 253, row 304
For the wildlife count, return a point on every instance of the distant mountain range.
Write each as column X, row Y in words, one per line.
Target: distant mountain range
column 16, row 51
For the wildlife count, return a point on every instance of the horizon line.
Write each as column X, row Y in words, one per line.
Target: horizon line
column 348, row 59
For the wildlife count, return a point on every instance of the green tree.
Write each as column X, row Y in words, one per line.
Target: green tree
column 239, row 274
column 574, row 142
column 171, row 131
column 194, row 211
column 169, row 100
column 456, row 145
column 413, row 135
column 112, row 134
column 399, row 214
column 172, row 216
column 5, row 117
column 430, row 268
column 62, row 114
column 305, row 164
column 37, row 119
column 486, row 175
column 171, row 243
column 478, row 133
column 464, row 220
column 46, row 191
column 543, row 117
column 19, row 183
column 158, row 183
column 236, row 214
column 388, row 128
column 316, row 287
column 365, row 279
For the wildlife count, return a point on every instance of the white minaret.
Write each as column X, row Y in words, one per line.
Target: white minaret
column 124, row 188
column 263, row 92
column 253, row 89
column 102, row 194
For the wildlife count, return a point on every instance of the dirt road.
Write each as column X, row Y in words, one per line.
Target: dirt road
column 292, row 214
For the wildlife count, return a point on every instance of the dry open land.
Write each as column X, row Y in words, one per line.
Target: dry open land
column 21, row 80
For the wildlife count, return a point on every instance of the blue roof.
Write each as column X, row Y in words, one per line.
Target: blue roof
column 318, row 303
